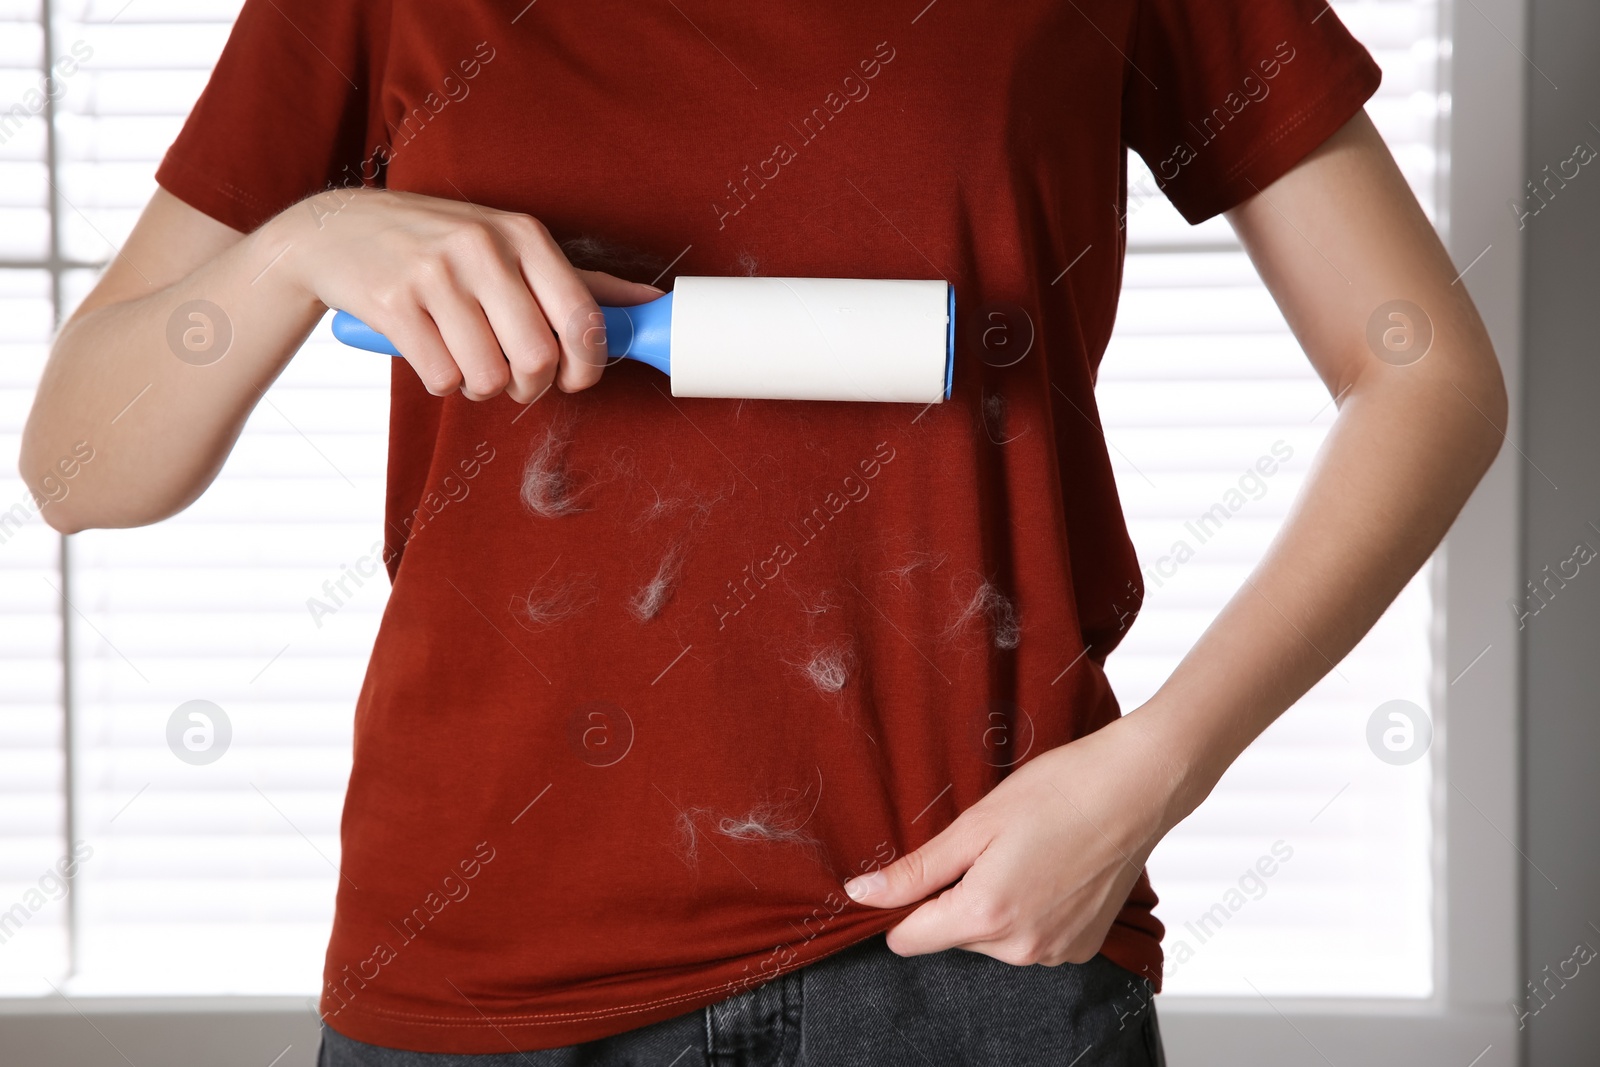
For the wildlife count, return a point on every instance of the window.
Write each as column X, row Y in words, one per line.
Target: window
column 195, row 877
column 1214, row 415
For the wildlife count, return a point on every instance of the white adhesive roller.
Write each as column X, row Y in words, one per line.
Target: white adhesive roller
column 779, row 338
column 811, row 339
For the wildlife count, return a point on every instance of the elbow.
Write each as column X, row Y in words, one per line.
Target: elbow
column 1500, row 410
column 61, row 519
column 1496, row 401
column 47, row 495
column 1485, row 389
column 51, row 475
column 69, row 510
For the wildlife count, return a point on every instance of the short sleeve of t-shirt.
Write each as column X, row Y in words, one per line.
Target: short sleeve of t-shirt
column 285, row 113
column 1222, row 97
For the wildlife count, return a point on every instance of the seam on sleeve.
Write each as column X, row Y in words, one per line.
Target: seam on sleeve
column 1295, row 121
column 1227, row 192
column 203, row 178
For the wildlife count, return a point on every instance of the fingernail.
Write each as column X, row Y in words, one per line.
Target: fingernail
column 655, row 289
column 864, row 886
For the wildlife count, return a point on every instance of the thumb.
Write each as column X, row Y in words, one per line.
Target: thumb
column 919, row 874
column 608, row 289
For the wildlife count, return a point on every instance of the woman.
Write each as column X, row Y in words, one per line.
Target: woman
column 657, row 677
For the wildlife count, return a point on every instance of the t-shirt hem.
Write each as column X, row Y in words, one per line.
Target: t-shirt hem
column 1135, row 950
column 477, row 1031
column 482, row 1032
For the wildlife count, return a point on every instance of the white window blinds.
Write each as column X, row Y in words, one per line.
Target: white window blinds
column 1308, row 871
column 32, row 770
column 200, row 877
column 218, row 877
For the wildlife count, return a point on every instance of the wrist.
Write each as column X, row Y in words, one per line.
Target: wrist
column 280, row 250
column 1186, row 761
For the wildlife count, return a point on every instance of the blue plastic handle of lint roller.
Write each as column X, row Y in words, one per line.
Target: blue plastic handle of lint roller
column 642, row 332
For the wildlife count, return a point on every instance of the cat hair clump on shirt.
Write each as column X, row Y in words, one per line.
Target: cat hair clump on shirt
column 767, row 822
column 649, row 600
column 901, row 575
column 553, row 600
column 829, row 667
column 593, row 252
column 994, row 608
column 549, row 487
column 994, row 419
column 651, row 597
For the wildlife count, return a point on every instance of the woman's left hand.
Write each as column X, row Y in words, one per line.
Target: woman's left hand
column 1045, row 860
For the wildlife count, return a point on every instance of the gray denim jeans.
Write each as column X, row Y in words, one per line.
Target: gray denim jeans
column 866, row 1005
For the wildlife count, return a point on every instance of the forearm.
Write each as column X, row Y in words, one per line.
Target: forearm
column 1403, row 456
column 160, row 426
column 1047, row 859
column 467, row 293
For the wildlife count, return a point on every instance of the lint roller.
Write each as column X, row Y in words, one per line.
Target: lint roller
column 886, row 340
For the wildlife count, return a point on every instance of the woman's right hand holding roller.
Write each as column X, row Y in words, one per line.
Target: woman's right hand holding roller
column 476, row 299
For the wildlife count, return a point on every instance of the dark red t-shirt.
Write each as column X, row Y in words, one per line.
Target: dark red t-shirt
column 617, row 751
